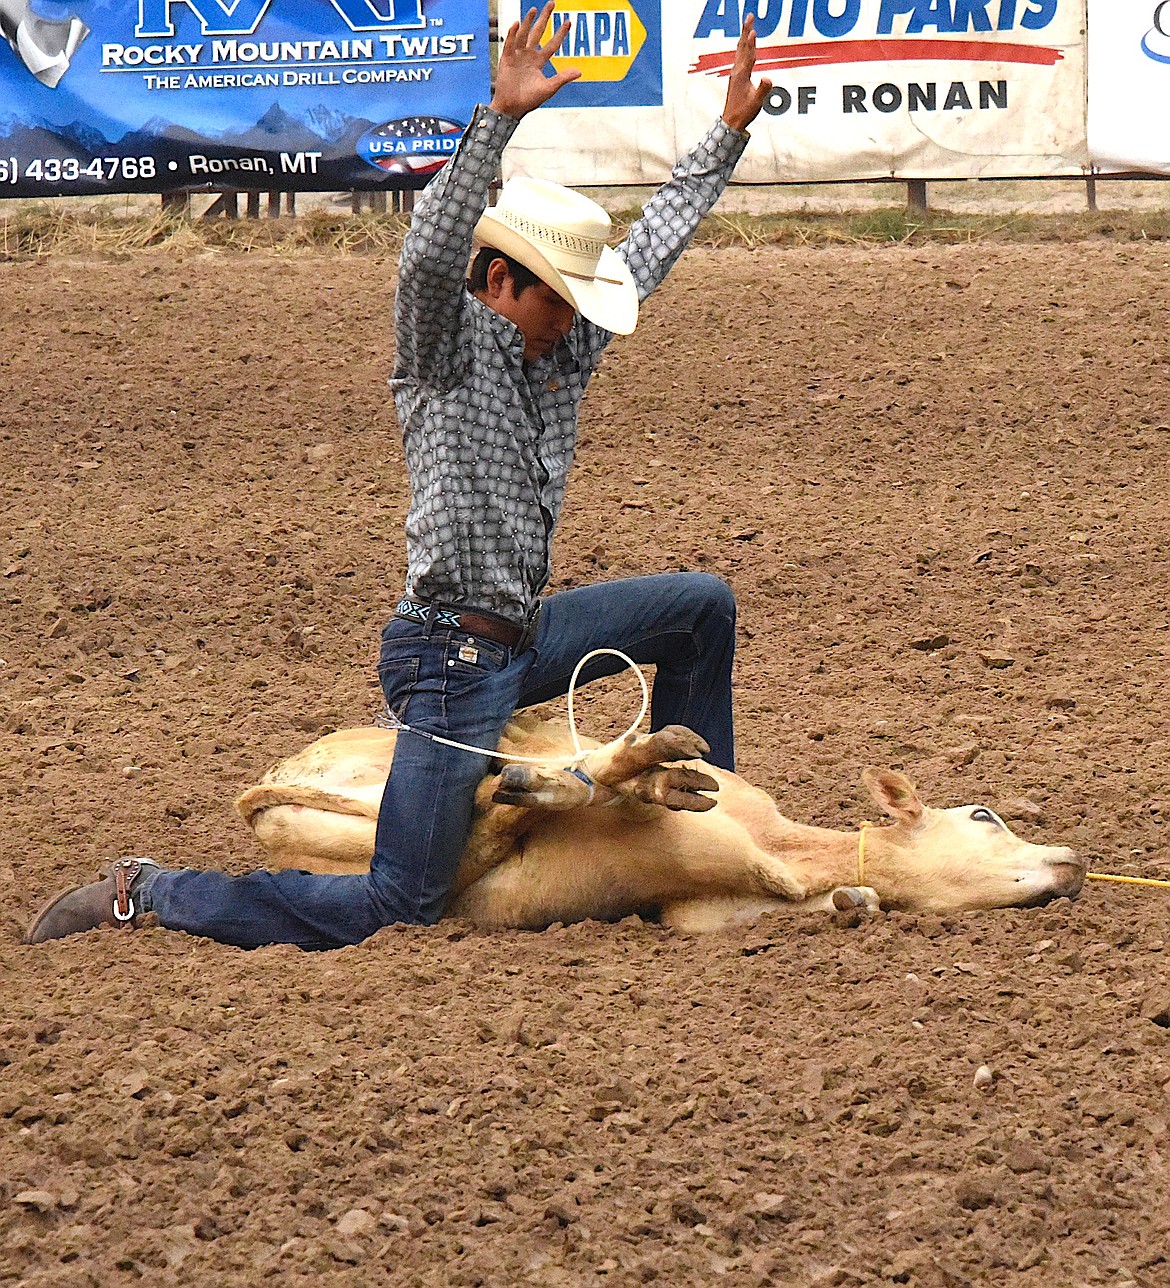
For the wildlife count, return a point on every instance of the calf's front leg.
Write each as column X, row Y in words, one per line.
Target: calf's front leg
column 634, row 766
column 724, row 912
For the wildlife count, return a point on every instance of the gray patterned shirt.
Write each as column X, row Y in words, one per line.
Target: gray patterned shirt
column 489, row 438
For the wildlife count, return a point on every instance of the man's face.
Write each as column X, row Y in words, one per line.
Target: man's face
column 540, row 315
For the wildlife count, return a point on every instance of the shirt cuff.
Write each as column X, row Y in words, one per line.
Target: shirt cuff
column 726, row 143
column 490, row 128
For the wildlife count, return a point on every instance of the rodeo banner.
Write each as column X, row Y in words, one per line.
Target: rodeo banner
column 863, row 89
column 1129, row 85
column 300, row 95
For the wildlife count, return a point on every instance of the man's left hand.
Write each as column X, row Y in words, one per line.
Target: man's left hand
column 744, row 99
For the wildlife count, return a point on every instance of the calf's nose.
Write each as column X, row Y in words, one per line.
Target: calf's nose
column 1068, row 871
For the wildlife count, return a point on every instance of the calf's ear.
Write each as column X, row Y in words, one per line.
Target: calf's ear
column 895, row 793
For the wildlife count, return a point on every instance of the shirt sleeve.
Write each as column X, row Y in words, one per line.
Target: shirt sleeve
column 671, row 218
column 432, row 268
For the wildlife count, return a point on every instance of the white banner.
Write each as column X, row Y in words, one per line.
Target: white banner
column 1129, row 84
column 864, row 89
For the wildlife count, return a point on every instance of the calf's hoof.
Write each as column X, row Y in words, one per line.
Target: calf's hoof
column 677, row 742
column 538, row 787
column 619, row 762
column 676, row 787
column 108, row 902
column 847, row 898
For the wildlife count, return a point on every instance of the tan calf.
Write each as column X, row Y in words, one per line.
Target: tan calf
column 648, row 836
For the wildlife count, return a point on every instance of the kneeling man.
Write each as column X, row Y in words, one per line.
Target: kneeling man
column 488, row 377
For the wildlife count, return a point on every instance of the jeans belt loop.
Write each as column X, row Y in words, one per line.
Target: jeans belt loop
column 529, row 634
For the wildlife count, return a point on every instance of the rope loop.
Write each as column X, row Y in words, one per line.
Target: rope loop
column 388, row 720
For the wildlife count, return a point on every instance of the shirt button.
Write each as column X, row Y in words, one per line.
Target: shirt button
column 553, row 386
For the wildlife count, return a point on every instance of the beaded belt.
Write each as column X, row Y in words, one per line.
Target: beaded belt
column 497, row 629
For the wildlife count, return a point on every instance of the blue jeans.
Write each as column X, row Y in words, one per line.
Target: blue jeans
column 682, row 623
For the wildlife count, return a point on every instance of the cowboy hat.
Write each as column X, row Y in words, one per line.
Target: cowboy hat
column 561, row 236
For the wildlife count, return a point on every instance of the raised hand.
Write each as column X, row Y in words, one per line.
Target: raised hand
column 521, row 84
column 744, row 99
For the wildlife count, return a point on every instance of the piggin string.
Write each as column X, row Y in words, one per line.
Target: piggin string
column 388, row 720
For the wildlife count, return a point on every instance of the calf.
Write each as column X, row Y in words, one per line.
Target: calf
column 647, row 827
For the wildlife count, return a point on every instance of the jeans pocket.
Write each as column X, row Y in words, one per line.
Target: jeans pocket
column 467, row 665
column 399, row 679
column 476, row 688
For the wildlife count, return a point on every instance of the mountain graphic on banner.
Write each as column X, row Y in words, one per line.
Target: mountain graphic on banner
column 160, row 127
column 55, row 141
column 328, row 122
column 278, row 129
column 317, row 129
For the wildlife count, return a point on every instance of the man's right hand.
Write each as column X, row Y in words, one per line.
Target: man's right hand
column 521, row 85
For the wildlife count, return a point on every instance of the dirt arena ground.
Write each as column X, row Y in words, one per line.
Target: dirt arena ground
column 939, row 482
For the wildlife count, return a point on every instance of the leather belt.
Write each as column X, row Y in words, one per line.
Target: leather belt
column 497, row 629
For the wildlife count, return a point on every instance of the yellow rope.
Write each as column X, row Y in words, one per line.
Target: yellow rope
column 1108, row 876
column 861, row 853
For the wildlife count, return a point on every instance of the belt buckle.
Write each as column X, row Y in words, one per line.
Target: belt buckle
column 528, row 634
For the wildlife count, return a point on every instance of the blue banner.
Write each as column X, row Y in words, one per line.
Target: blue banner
column 269, row 95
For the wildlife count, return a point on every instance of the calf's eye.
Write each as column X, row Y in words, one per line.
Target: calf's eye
column 985, row 816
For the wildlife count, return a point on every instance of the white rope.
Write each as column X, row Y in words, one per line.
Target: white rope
column 391, row 721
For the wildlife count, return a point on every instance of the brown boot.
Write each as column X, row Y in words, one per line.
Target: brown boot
column 108, row 902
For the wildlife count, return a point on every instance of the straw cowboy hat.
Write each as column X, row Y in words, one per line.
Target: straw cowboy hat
column 561, row 236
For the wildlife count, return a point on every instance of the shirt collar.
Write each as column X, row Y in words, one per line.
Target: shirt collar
column 559, row 357
column 503, row 328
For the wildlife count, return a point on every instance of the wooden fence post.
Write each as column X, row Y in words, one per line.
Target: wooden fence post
column 176, row 203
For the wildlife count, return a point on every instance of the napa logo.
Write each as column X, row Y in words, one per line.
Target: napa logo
column 603, row 40
column 616, row 45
